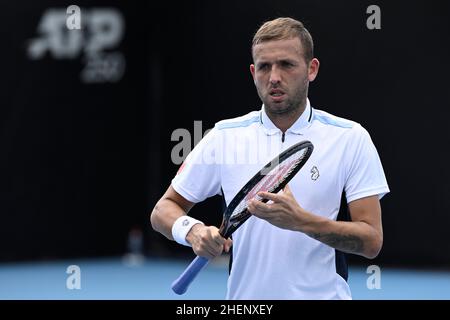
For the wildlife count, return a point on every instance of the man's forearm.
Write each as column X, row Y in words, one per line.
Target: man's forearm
column 347, row 243
column 351, row 237
column 164, row 215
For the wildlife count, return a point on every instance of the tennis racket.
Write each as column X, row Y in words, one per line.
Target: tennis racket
column 271, row 178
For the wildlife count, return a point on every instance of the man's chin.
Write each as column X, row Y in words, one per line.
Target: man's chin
column 277, row 108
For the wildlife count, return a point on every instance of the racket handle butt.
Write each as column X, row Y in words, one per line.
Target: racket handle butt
column 181, row 284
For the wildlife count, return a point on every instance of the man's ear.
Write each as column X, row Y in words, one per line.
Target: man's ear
column 252, row 71
column 313, row 69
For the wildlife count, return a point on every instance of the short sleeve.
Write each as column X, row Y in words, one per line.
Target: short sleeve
column 199, row 175
column 365, row 173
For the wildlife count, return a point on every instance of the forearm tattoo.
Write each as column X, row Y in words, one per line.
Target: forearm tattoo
column 347, row 243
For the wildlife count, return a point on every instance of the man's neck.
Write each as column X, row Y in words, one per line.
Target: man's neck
column 284, row 121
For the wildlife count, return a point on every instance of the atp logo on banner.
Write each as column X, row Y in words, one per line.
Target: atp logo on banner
column 92, row 34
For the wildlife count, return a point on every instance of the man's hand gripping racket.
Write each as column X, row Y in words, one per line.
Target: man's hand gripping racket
column 271, row 178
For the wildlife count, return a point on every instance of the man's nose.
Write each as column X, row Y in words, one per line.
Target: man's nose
column 275, row 76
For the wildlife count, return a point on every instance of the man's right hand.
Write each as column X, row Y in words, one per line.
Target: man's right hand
column 207, row 241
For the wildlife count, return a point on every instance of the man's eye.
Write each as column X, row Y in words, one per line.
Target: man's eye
column 286, row 64
column 263, row 67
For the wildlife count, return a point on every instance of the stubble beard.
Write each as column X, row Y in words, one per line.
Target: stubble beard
column 291, row 105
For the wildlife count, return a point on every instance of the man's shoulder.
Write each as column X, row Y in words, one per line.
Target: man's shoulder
column 352, row 130
column 239, row 122
column 332, row 120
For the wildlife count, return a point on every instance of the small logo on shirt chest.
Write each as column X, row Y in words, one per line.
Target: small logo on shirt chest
column 315, row 173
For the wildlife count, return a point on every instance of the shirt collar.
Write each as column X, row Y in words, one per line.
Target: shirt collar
column 302, row 122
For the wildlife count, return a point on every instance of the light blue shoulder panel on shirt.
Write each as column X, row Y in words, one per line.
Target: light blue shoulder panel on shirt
column 333, row 121
column 227, row 124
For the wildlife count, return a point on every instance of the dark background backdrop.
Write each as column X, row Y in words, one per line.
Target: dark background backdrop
column 83, row 163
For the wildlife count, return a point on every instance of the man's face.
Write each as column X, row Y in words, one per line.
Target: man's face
column 281, row 74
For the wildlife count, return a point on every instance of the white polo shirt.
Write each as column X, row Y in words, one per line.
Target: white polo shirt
column 269, row 262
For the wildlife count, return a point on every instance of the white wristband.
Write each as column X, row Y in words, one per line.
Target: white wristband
column 181, row 228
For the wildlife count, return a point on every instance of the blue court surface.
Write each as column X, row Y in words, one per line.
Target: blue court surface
column 150, row 279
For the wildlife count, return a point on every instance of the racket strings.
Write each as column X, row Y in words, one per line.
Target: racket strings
column 270, row 182
column 290, row 167
column 285, row 170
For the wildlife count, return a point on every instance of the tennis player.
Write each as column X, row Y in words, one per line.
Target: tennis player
column 293, row 247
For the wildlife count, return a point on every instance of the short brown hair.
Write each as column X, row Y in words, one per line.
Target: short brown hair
column 286, row 28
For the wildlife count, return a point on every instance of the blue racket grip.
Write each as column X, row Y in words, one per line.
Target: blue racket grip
column 180, row 285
